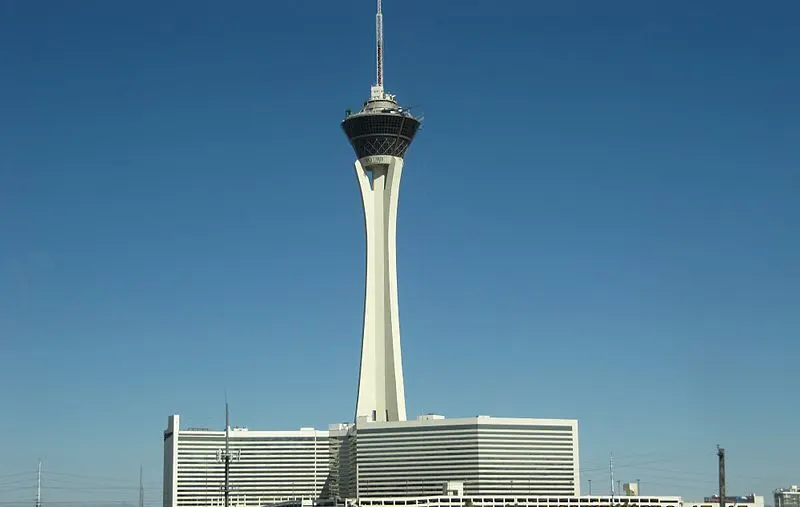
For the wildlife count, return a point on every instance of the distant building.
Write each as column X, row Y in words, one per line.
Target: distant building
column 788, row 497
column 630, row 489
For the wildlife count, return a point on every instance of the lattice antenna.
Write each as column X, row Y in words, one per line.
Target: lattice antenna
column 379, row 44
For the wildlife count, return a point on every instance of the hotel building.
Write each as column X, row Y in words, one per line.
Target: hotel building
column 267, row 466
column 484, row 455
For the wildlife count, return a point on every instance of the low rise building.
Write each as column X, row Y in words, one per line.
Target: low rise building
column 787, row 497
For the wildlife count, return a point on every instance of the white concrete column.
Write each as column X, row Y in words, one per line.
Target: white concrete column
column 381, row 392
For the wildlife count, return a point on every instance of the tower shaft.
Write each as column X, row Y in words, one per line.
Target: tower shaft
column 381, row 394
column 380, row 134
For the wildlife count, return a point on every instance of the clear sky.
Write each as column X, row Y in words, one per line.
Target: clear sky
column 598, row 221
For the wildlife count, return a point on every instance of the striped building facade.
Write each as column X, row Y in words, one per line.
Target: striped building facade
column 485, row 456
column 267, row 466
column 489, row 456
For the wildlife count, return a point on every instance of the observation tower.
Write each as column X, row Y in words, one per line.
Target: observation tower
column 380, row 134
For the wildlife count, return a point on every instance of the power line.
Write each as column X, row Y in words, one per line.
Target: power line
column 29, row 480
column 84, row 483
column 84, row 476
column 695, row 473
column 628, row 465
column 19, row 474
column 19, row 488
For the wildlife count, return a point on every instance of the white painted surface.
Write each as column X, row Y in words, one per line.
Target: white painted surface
column 274, row 466
column 381, row 393
column 170, row 491
column 489, row 455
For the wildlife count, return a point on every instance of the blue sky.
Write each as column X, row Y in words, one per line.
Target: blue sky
column 599, row 221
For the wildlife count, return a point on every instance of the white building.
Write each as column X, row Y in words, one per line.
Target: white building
column 478, row 457
column 268, row 466
column 630, row 489
column 488, row 455
column 787, row 497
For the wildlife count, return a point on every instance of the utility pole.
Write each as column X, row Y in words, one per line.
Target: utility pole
column 141, row 488
column 39, row 485
column 619, row 487
column 611, row 473
column 226, row 456
column 721, row 455
column 590, row 487
column 638, row 488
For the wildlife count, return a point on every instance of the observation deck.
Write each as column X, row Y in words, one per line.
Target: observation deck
column 382, row 127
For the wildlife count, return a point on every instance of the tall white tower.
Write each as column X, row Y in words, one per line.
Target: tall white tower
column 380, row 134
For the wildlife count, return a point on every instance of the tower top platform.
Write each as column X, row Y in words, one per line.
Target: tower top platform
column 381, row 127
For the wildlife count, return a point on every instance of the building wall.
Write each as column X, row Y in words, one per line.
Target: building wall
column 396, row 459
column 348, row 466
column 489, row 455
column 272, row 466
column 788, row 497
column 170, row 464
column 339, row 459
column 531, row 457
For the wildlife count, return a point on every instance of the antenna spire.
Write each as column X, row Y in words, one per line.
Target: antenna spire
column 379, row 44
